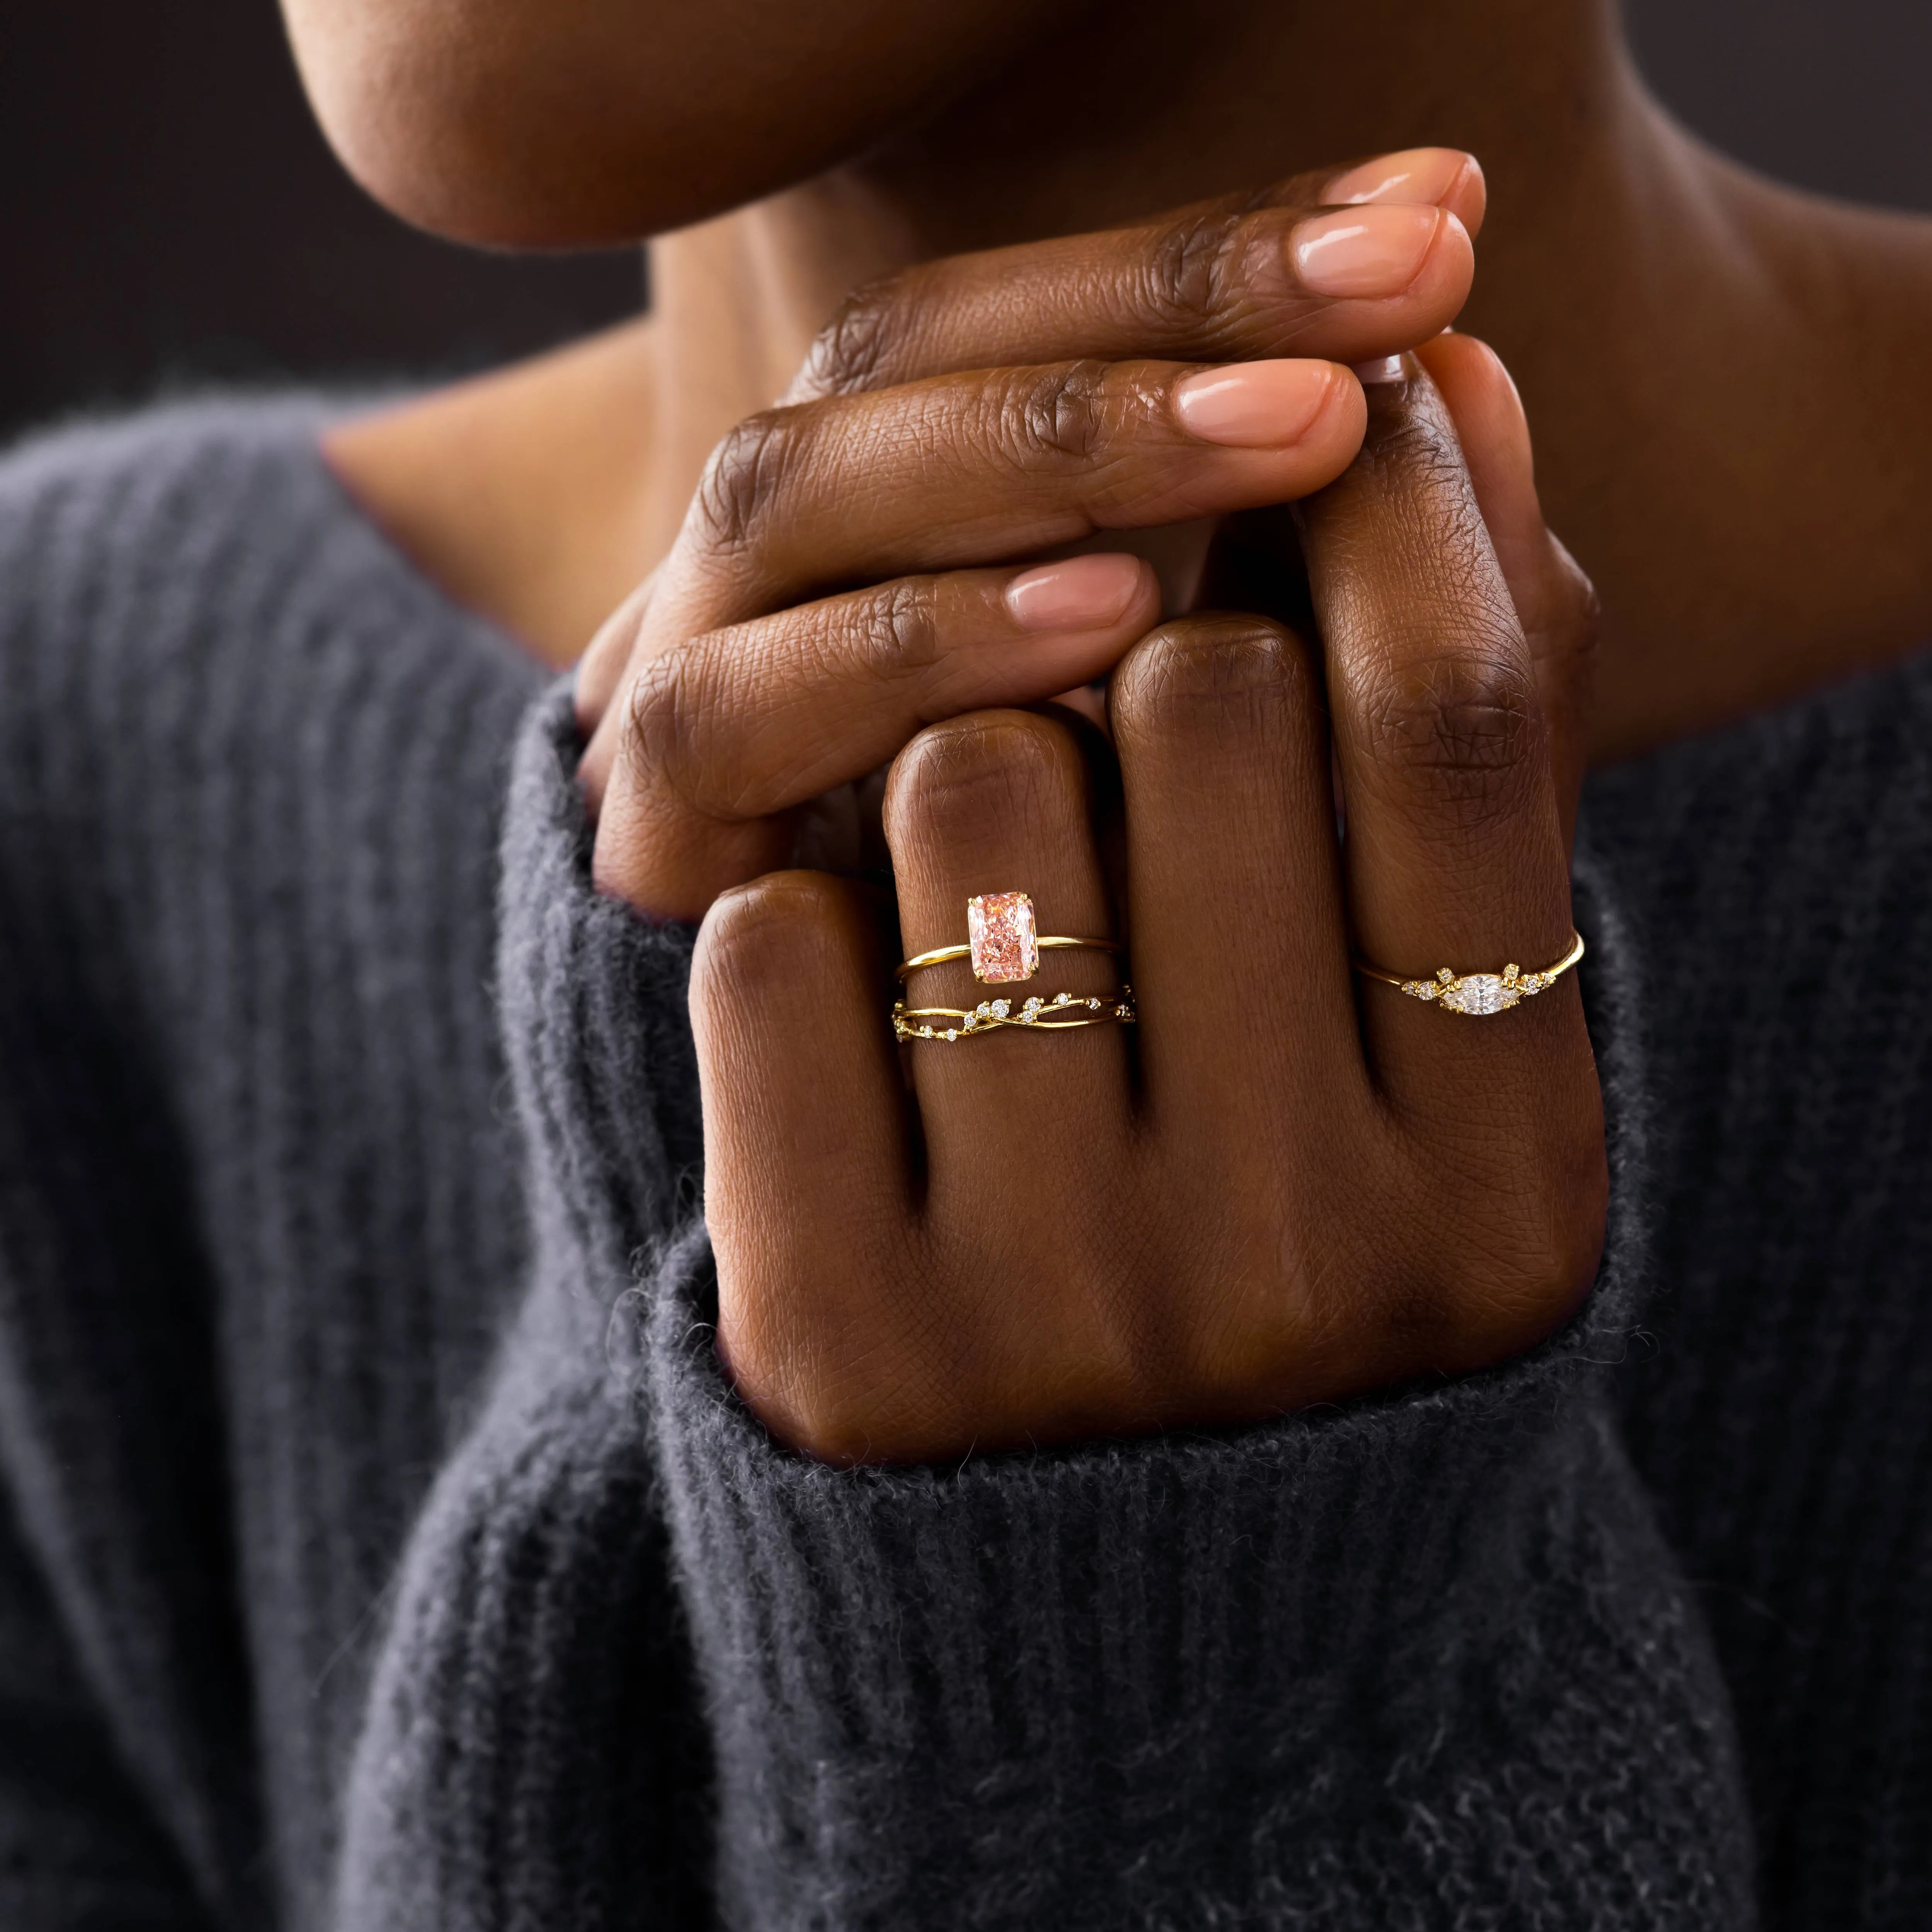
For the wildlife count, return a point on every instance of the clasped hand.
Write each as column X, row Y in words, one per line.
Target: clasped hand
column 1288, row 1184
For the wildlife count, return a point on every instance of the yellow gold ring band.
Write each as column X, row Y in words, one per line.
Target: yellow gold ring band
column 1065, row 1012
column 1003, row 940
column 1477, row 994
column 940, row 955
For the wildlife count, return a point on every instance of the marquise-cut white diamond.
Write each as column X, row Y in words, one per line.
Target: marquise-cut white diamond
column 1480, row 993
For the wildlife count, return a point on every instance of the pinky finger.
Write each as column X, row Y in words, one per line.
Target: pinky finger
column 808, row 1184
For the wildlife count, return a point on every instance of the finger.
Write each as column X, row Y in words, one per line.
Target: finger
column 600, row 671
column 728, row 731
column 968, row 469
column 1240, row 958
column 1454, row 852
column 971, row 469
column 1554, row 600
column 997, row 802
column 1345, row 264
column 805, row 1135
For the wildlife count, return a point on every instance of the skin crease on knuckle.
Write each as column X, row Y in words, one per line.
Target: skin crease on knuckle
column 958, row 785
column 665, row 738
column 1462, row 729
column 1195, row 680
column 847, row 353
column 1193, row 272
column 746, row 474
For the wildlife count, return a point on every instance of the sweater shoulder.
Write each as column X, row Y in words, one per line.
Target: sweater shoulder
column 200, row 558
column 95, row 495
column 1819, row 765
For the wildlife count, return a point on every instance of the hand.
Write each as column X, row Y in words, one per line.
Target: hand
column 1289, row 1183
column 952, row 422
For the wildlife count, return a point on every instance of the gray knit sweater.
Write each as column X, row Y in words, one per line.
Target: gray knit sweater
column 381, row 1547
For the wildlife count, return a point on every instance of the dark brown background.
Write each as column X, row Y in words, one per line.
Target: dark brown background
column 169, row 214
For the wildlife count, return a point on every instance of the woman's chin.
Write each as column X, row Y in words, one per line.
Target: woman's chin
column 498, row 123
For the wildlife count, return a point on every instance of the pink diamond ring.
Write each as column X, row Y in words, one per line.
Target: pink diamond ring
column 1063, row 1013
column 1477, row 993
column 1003, row 940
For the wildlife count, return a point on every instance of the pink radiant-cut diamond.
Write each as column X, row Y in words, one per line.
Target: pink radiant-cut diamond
column 1004, row 939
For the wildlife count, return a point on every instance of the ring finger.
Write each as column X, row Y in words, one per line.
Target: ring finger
column 998, row 803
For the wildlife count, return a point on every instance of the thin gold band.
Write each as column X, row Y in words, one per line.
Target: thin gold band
column 1478, row 994
column 1065, row 1012
column 940, row 954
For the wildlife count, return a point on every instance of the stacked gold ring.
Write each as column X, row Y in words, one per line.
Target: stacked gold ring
column 1065, row 1012
column 1045, row 941
column 1004, row 945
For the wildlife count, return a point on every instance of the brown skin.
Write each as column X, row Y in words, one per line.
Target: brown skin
column 1272, row 1195
column 1293, row 1186
column 980, row 408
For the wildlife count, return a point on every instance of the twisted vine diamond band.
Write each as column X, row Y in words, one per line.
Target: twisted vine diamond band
column 1065, row 1012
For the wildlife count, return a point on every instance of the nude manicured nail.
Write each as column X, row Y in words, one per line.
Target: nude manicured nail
column 1371, row 251
column 1254, row 405
column 1413, row 174
column 1078, row 593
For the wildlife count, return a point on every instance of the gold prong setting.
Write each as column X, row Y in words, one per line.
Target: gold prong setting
column 1476, row 995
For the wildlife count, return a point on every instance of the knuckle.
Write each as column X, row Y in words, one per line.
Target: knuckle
column 664, row 715
column 742, row 477
column 763, row 934
column 1188, row 273
column 1457, row 727
column 1415, row 451
column 852, row 352
column 899, row 628
column 1053, row 418
column 956, row 780
column 1201, row 673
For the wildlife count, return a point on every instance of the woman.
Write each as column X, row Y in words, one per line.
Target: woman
column 1371, row 1425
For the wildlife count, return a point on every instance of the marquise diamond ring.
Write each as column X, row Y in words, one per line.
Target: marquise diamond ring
column 1478, row 994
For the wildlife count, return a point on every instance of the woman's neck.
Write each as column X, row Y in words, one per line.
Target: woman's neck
column 1721, row 376
column 1160, row 107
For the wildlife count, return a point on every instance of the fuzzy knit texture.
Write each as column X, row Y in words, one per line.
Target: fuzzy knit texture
column 383, row 1550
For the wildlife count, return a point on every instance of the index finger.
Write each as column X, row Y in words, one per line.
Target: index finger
column 1345, row 264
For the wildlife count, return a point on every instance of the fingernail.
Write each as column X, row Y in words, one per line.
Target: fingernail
column 1254, row 405
column 1078, row 593
column 1414, row 174
column 1374, row 252
column 1383, row 369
